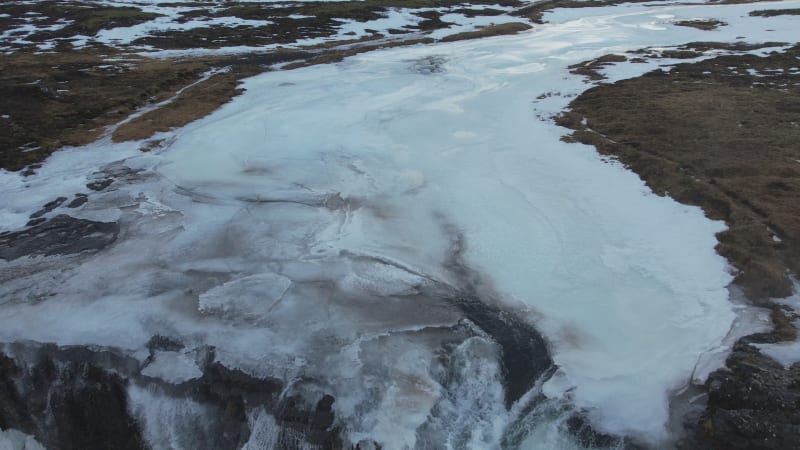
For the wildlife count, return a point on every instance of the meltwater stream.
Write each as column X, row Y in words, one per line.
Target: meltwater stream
column 401, row 244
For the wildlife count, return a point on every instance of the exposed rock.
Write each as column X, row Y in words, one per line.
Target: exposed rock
column 701, row 24
column 90, row 411
column 31, row 170
column 34, row 222
column 61, row 235
column 79, row 200
column 525, row 357
column 13, row 412
column 316, row 424
column 76, row 397
column 163, row 343
column 588, row 437
column 100, row 185
column 48, row 207
column 753, row 404
column 223, row 384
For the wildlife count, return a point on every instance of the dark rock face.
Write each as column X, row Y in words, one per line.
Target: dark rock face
column 100, row 185
column 753, row 404
column 525, row 357
column 91, row 412
column 49, row 207
column 67, row 405
column 13, row 412
column 589, row 437
column 61, row 235
column 78, row 201
column 76, row 398
column 316, row 424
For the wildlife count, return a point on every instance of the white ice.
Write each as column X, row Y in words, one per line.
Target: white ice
column 16, row 440
column 292, row 228
column 173, row 367
column 786, row 353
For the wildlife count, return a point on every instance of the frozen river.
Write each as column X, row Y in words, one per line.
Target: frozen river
column 334, row 226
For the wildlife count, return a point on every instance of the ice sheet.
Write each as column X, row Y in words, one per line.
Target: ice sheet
column 293, row 228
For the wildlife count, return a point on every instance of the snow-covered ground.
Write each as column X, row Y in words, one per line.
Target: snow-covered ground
column 171, row 18
column 294, row 229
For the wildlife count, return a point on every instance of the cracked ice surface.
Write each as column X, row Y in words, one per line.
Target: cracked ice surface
column 301, row 228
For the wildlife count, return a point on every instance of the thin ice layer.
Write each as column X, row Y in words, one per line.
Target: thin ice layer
column 366, row 182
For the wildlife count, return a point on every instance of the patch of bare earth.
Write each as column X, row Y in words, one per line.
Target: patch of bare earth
column 591, row 69
column 195, row 102
column 68, row 98
column 723, row 134
column 701, row 24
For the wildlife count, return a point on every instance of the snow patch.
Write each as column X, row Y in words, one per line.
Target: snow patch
column 173, row 367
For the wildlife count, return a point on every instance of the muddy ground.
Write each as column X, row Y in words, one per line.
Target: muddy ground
column 722, row 134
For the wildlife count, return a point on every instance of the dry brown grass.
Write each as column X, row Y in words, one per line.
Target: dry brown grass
column 193, row 103
column 67, row 98
column 719, row 138
column 491, row 30
column 591, row 68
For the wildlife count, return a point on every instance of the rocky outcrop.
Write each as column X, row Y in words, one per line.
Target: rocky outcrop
column 66, row 400
column 77, row 397
column 81, row 397
column 525, row 358
column 61, row 235
column 753, row 404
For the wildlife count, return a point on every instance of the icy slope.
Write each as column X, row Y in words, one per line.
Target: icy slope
column 315, row 228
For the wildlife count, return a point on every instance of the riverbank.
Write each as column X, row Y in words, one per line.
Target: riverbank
column 74, row 70
column 722, row 134
column 402, row 237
